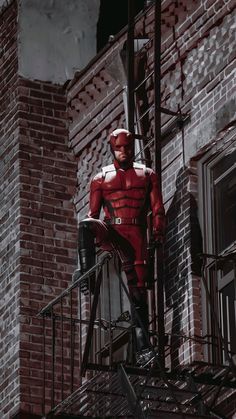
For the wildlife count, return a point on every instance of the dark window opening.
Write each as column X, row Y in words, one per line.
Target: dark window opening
column 224, row 177
column 113, row 17
column 220, row 239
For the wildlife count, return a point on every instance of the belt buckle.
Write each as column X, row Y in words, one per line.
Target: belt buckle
column 118, row 220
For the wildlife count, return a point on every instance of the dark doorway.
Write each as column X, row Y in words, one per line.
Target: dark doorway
column 113, row 17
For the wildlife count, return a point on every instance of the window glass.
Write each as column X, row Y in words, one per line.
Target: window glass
column 219, row 217
column 224, row 176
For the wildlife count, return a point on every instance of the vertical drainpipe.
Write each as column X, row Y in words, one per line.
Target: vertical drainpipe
column 130, row 65
column 157, row 154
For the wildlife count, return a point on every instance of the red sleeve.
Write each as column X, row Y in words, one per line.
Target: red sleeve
column 157, row 207
column 95, row 197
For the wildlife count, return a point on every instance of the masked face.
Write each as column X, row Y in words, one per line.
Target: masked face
column 122, row 144
column 123, row 150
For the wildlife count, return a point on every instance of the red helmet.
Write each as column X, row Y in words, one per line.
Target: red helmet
column 122, row 135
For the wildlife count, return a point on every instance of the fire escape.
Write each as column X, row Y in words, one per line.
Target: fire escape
column 88, row 365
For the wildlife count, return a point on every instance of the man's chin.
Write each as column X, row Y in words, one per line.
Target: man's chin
column 126, row 160
column 125, row 164
column 123, row 160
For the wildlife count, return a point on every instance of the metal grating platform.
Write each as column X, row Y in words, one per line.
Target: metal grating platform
column 185, row 395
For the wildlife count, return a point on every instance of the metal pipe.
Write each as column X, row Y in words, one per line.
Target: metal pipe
column 157, row 156
column 44, row 367
column 130, row 65
column 72, row 332
column 109, row 311
column 62, row 350
column 53, row 352
column 157, row 89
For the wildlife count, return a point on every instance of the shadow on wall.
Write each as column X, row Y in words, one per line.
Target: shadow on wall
column 183, row 237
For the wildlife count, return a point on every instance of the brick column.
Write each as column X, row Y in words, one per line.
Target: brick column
column 38, row 222
column 10, row 214
column 48, row 226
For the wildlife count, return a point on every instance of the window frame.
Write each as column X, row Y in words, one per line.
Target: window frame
column 207, row 213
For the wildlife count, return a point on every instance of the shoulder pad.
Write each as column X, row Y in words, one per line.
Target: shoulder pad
column 139, row 166
column 106, row 169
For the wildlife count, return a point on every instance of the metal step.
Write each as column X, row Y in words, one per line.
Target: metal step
column 104, row 397
column 160, row 415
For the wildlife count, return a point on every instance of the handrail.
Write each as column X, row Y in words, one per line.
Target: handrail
column 64, row 293
column 76, row 340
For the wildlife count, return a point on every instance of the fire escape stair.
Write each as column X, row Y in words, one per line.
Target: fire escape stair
column 145, row 393
column 121, row 390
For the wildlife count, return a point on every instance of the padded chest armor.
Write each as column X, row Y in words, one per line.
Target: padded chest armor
column 125, row 191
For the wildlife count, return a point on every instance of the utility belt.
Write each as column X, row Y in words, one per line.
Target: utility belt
column 123, row 221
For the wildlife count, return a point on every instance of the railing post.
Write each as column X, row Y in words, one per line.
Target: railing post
column 62, row 350
column 91, row 323
column 72, row 341
column 53, row 343
column 44, row 368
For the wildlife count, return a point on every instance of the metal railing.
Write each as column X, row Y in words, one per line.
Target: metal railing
column 85, row 334
column 80, row 329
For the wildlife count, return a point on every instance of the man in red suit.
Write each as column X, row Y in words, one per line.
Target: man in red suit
column 126, row 191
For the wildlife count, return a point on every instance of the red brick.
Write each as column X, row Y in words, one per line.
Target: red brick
column 40, row 94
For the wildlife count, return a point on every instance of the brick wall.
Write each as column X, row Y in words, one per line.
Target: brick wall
column 40, row 194
column 197, row 78
column 10, row 213
column 38, row 222
column 48, row 226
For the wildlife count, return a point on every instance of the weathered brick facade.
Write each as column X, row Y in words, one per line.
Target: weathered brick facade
column 44, row 148
column 39, row 227
column 10, row 206
column 48, row 227
column 197, row 70
column 198, row 78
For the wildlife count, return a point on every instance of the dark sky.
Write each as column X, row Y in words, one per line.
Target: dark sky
column 113, row 17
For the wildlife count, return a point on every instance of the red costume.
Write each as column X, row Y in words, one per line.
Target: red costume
column 126, row 197
column 126, row 191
